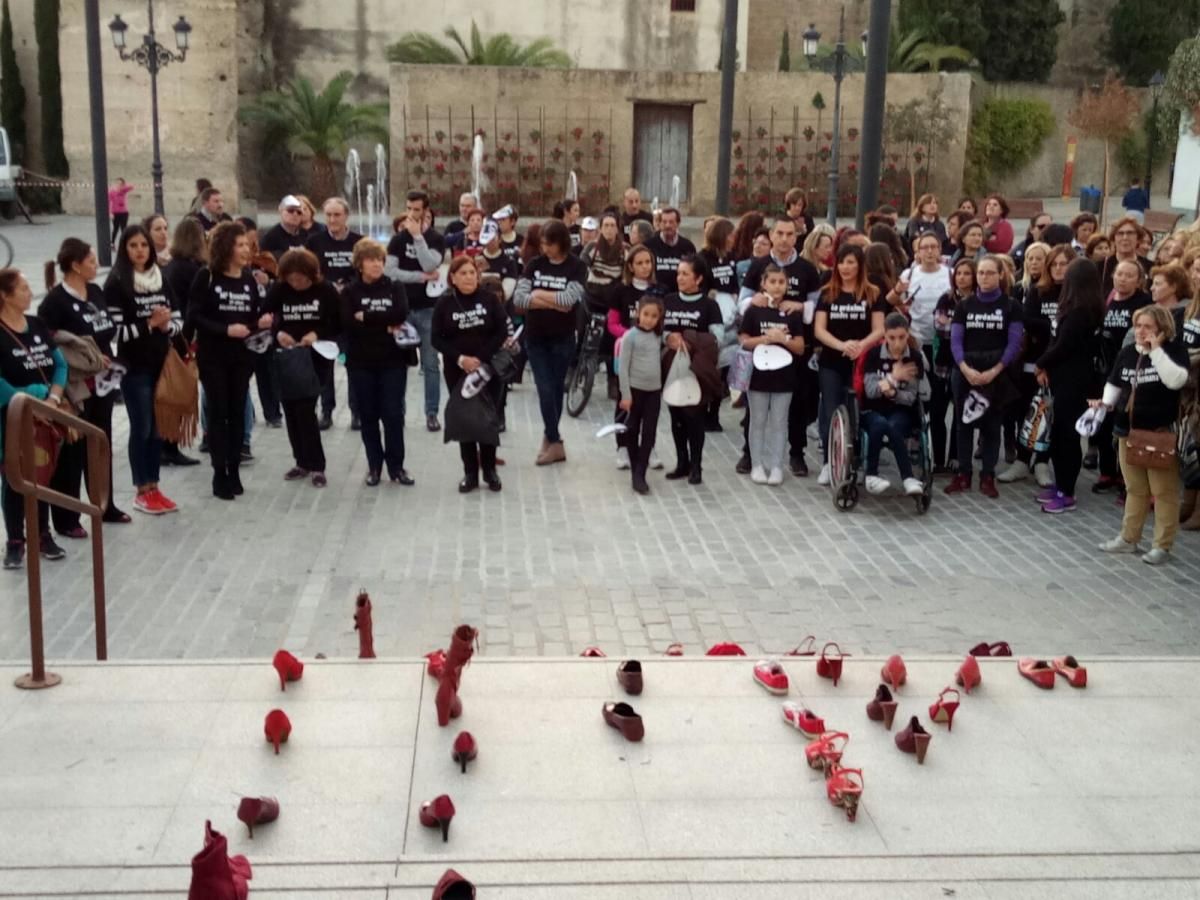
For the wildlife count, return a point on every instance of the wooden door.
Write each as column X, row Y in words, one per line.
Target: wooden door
column 662, row 139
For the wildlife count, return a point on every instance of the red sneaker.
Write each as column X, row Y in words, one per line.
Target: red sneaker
column 146, row 502
column 960, row 484
column 803, row 720
column 987, row 486
column 769, row 673
column 165, row 503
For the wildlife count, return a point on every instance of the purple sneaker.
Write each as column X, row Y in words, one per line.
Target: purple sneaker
column 1060, row 504
column 1045, row 495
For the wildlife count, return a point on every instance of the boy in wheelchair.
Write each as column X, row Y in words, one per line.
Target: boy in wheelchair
column 893, row 381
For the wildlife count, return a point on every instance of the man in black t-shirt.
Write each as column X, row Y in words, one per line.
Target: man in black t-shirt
column 669, row 247
column 631, row 211
column 289, row 232
column 413, row 258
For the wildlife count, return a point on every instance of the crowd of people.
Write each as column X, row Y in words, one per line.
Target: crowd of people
column 992, row 333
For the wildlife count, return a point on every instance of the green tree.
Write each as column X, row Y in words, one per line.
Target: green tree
column 954, row 23
column 1005, row 135
column 913, row 52
column 785, row 56
column 1142, row 35
column 321, row 123
column 419, row 47
column 1029, row 45
column 46, row 17
column 1108, row 115
column 12, row 92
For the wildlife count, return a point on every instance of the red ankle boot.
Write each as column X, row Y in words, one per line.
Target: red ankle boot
column 215, row 874
column 257, row 811
column 453, row 886
column 277, row 728
column 288, row 667
column 460, row 652
column 362, row 624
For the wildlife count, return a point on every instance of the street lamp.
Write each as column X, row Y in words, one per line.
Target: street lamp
column 152, row 56
column 836, row 64
column 1156, row 85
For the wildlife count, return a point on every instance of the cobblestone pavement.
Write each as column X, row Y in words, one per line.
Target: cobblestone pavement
column 568, row 556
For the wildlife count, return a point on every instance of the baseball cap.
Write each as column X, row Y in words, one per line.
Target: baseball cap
column 291, row 201
column 589, row 224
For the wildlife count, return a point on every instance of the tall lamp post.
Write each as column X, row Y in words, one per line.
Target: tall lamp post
column 837, row 64
column 152, row 56
column 1156, row 85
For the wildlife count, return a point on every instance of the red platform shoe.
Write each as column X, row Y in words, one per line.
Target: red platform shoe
column 215, row 874
column 288, row 667
column 437, row 813
column 826, row 750
column 830, row 666
column 844, row 788
column 914, row 739
column 894, row 672
column 968, row 675
column 883, row 707
column 257, row 811
column 277, row 728
column 364, row 626
column 1036, row 670
column 943, row 710
column 465, row 749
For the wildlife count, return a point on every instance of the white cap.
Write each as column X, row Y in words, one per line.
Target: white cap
column 589, row 224
column 290, row 200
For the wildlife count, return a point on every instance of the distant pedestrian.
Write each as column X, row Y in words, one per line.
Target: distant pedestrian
column 118, row 208
column 1136, row 201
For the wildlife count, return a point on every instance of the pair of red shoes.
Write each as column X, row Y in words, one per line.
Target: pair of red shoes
column 1042, row 673
column 843, row 786
column 447, row 666
column 829, row 664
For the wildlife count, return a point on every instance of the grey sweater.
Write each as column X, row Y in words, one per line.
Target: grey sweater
column 641, row 362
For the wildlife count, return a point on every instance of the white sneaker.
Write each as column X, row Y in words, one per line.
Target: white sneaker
column 1018, row 471
column 775, row 478
column 913, row 487
column 825, row 477
column 655, row 462
column 758, row 475
column 877, row 485
column 813, row 432
column 1120, row 545
column 1156, row 556
column 622, row 458
column 1041, row 471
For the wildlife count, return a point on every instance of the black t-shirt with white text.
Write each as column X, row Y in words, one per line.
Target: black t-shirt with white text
column 401, row 246
column 278, row 240
column 724, row 275
column 1187, row 331
column 846, row 319
column 683, row 314
column 667, row 257
column 215, row 303
column 985, row 325
column 762, row 320
column 370, row 343
column 336, row 256
column 28, row 358
column 298, row 313
column 62, row 311
column 545, row 275
column 1155, row 405
column 803, row 277
column 1118, row 319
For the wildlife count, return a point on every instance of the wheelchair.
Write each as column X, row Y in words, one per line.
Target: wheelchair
column 847, row 452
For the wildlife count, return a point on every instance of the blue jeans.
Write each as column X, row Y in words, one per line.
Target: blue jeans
column 550, row 358
column 422, row 320
column 145, row 446
column 380, row 397
column 896, row 425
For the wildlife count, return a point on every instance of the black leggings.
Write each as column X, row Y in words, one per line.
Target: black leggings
column 225, row 385
column 14, row 513
column 304, row 434
column 940, row 399
column 119, row 223
column 687, row 429
column 1066, row 452
column 642, row 426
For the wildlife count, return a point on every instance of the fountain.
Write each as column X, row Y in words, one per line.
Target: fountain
column 353, row 185
column 479, row 181
column 572, row 186
column 675, row 191
column 370, row 232
column 381, row 187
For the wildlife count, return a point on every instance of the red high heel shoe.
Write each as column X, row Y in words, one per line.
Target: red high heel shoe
column 844, row 788
column 883, row 707
column 1036, row 670
column 674, row 650
column 894, row 672
column 826, row 750
column 999, row 648
column 465, row 749
column 364, row 626
column 593, row 653
column 449, row 706
column 437, row 813
column 725, row 649
column 968, row 675
column 288, row 667
column 1069, row 668
column 830, row 666
column 277, row 728
column 803, row 720
column 914, row 739
column 215, row 874
column 806, row 647
column 257, row 811
column 943, row 710
column 436, row 664
column 452, row 886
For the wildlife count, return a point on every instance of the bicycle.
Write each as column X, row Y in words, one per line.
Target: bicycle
column 6, row 252
column 581, row 377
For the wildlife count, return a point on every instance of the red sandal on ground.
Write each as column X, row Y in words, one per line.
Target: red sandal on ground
column 844, row 788
column 806, row 647
column 943, row 710
column 826, row 750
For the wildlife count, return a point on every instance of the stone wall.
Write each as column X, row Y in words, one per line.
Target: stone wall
column 769, row 18
column 197, row 104
column 525, row 92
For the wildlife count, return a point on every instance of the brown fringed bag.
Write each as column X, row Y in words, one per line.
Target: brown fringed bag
column 177, row 399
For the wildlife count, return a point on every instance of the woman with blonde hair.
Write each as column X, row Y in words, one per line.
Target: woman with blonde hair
column 818, row 246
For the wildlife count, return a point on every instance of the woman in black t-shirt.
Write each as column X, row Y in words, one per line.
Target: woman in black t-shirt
column 718, row 256
column 29, row 364
column 225, row 308
column 1157, row 364
column 469, row 328
column 942, row 365
column 77, row 306
column 849, row 319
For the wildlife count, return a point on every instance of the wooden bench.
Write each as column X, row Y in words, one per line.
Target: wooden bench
column 1161, row 222
column 1025, row 208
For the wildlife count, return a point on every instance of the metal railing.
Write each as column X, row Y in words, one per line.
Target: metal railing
column 19, row 466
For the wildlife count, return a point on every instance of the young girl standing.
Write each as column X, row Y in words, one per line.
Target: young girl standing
column 640, row 375
column 770, row 393
column 637, row 280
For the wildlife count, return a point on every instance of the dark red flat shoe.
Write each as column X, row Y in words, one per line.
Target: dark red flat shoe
column 629, row 676
column 998, row 648
column 215, row 874
column 257, row 811
column 1069, row 668
column 622, row 717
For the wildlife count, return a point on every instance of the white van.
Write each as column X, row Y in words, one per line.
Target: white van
column 9, row 170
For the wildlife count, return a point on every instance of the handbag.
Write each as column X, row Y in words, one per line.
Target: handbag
column 504, row 366
column 1035, row 430
column 681, row 387
column 177, row 398
column 1147, row 448
column 740, row 370
column 471, row 420
column 298, row 379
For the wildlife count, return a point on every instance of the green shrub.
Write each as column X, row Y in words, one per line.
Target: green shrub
column 1133, row 149
column 1005, row 136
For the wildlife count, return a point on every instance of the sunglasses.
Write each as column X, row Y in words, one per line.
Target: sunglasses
column 294, row 210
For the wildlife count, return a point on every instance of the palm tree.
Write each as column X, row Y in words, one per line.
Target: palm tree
column 914, row 52
column 321, row 123
column 499, row 50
